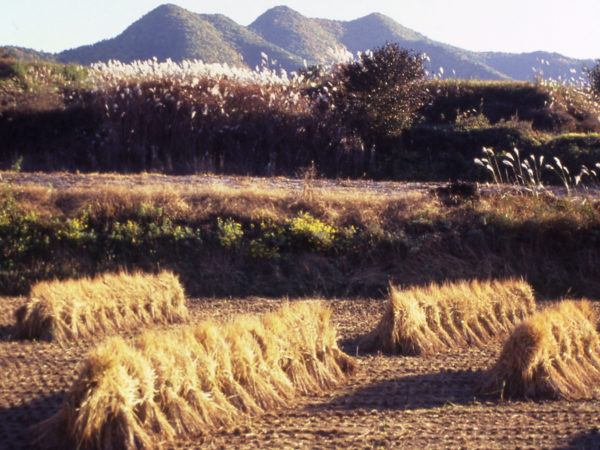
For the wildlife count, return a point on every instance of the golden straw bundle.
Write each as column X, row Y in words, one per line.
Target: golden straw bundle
column 191, row 380
column 87, row 308
column 554, row 354
column 425, row 320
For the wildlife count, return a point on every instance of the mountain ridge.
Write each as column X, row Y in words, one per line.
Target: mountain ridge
column 292, row 40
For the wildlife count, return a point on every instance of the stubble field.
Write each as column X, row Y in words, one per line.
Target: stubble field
column 393, row 401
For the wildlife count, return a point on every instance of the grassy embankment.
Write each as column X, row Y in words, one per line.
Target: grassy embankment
column 257, row 240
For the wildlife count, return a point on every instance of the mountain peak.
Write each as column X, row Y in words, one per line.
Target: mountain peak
column 297, row 34
column 166, row 9
column 281, row 9
column 377, row 15
column 278, row 14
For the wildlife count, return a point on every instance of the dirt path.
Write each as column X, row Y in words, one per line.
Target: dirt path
column 392, row 401
column 71, row 180
column 94, row 180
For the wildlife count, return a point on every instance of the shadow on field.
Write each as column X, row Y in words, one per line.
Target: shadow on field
column 348, row 345
column 589, row 439
column 7, row 332
column 412, row 392
column 16, row 420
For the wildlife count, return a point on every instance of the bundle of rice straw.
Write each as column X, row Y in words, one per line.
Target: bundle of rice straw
column 70, row 310
column 191, row 380
column 425, row 320
column 555, row 354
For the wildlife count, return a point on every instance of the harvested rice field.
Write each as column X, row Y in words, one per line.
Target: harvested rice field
column 391, row 400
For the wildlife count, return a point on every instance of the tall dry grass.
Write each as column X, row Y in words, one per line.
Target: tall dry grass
column 425, row 320
column 197, row 378
column 70, row 310
column 194, row 117
column 555, row 354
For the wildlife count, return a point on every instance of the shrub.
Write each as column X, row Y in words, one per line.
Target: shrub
column 131, row 395
column 380, row 93
column 594, row 76
column 70, row 310
column 229, row 233
column 435, row 318
column 554, row 354
column 310, row 233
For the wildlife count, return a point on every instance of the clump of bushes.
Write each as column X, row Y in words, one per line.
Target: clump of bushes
column 374, row 117
column 195, row 117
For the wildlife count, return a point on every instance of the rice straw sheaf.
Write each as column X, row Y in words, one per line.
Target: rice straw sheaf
column 435, row 318
column 555, row 354
column 188, row 381
column 75, row 309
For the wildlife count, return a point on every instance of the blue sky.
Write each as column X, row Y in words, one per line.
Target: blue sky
column 569, row 27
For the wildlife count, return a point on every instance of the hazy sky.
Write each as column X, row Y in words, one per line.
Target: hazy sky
column 570, row 27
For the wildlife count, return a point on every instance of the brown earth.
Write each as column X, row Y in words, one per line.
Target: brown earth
column 393, row 401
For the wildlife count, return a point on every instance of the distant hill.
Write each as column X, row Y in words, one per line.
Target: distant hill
column 524, row 66
column 25, row 54
column 290, row 39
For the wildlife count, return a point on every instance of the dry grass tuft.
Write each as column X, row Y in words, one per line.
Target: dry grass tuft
column 425, row 320
column 194, row 379
column 555, row 354
column 70, row 310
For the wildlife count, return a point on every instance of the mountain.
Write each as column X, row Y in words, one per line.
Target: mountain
column 524, row 66
column 173, row 32
column 311, row 38
column 291, row 39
